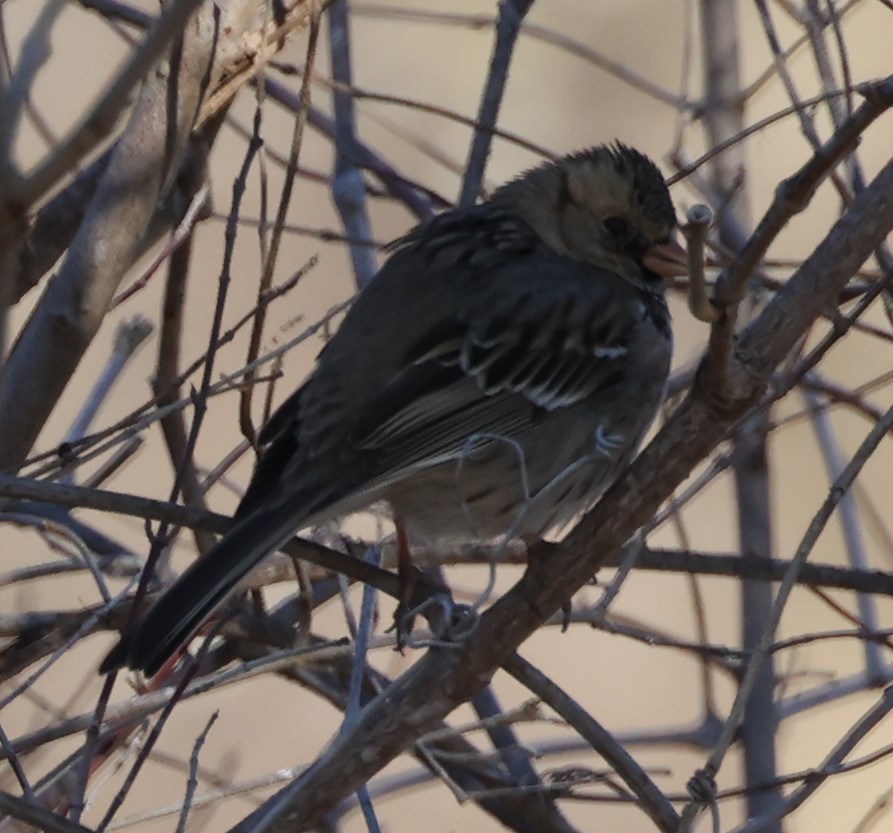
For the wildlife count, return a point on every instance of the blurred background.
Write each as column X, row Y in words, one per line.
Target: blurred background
column 582, row 73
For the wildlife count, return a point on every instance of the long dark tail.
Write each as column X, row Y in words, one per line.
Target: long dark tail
column 179, row 613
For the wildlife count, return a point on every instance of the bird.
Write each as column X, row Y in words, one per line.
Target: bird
column 490, row 382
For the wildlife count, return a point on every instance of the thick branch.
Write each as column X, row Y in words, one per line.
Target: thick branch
column 205, row 73
column 71, row 310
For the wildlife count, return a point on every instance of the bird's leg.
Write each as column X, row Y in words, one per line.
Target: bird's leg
column 418, row 592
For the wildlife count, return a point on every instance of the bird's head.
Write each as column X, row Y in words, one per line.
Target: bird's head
column 608, row 206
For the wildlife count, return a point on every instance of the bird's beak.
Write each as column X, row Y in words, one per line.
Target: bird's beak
column 669, row 260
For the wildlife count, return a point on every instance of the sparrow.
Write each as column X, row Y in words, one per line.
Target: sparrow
column 491, row 381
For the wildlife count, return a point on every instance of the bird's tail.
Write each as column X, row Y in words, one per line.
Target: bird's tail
column 181, row 610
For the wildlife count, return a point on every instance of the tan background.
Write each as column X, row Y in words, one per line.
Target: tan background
column 562, row 103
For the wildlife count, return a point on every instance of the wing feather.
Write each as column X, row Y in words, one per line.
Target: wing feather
column 488, row 374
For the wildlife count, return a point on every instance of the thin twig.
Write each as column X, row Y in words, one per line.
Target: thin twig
column 830, row 766
column 348, row 188
column 269, row 266
column 816, row 526
column 192, row 781
column 508, row 26
column 849, row 519
column 97, row 123
column 651, row 799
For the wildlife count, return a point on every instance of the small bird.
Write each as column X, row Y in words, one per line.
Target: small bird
column 491, row 381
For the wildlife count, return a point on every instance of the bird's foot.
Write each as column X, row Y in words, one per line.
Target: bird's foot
column 422, row 594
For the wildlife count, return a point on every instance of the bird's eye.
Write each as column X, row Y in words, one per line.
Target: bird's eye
column 617, row 226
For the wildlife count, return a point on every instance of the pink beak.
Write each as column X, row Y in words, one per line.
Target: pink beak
column 669, row 260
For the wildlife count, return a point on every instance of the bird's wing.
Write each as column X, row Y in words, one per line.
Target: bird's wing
column 532, row 343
